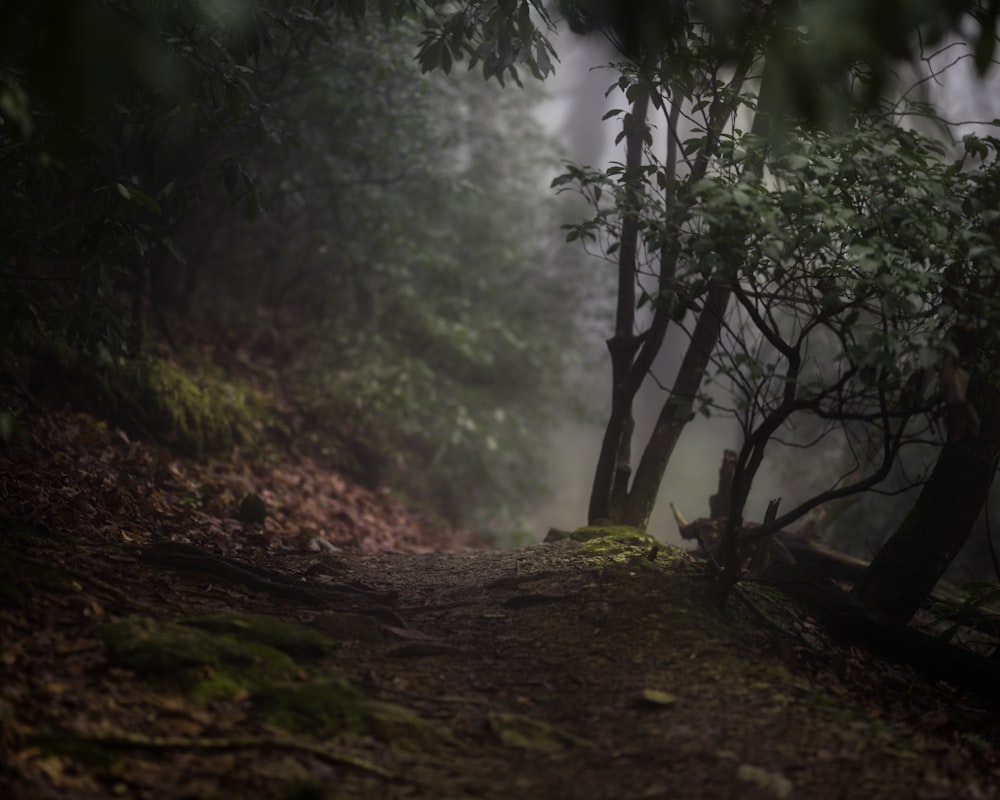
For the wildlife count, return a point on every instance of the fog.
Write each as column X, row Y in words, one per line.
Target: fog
column 578, row 98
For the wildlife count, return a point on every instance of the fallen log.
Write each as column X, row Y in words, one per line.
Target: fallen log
column 821, row 577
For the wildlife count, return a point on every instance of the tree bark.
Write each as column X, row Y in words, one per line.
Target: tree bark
column 612, row 472
column 611, row 496
column 912, row 561
column 676, row 411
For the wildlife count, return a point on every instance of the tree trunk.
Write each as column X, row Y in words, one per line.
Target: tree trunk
column 914, row 558
column 612, row 472
column 611, row 496
column 676, row 411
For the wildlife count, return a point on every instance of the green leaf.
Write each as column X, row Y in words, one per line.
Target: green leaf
column 15, row 107
column 146, row 201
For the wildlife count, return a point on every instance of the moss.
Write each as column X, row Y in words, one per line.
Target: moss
column 332, row 705
column 206, row 666
column 525, row 733
column 613, row 534
column 194, row 411
column 287, row 637
column 613, row 541
column 194, row 417
column 318, row 707
column 405, row 729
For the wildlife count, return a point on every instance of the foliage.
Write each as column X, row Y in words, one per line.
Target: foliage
column 841, row 36
column 399, row 279
column 293, row 180
column 193, row 409
column 853, row 252
column 853, row 281
column 119, row 118
column 195, row 414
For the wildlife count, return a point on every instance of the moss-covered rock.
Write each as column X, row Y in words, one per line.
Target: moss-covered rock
column 624, row 544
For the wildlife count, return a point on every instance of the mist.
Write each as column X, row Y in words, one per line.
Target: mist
column 578, row 97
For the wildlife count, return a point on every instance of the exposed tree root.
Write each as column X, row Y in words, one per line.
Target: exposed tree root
column 137, row 741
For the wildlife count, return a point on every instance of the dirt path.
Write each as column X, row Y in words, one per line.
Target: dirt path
column 555, row 671
column 154, row 646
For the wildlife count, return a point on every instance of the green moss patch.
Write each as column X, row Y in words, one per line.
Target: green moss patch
column 618, row 542
column 194, row 411
column 320, row 707
column 202, row 664
column 332, row 705
column 295, row 640
column 524, row 733
column 195, row 417
column 618, row 535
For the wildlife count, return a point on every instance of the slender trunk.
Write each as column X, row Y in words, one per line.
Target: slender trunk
column 748, row 463
column 612, row 472
column 611, row 497
column 677, row 410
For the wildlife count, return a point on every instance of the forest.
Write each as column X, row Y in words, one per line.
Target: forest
column 312, row 316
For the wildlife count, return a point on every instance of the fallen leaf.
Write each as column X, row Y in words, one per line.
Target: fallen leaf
column 655, row 697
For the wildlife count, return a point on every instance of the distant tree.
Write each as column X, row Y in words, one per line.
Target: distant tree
column 289, row 176
column 399, row 274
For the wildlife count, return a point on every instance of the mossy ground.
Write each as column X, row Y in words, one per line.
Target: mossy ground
column 204, row 665
column 196, row 412
column 191, row 408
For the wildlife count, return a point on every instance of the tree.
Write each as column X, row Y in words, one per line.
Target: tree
column 886, row 391
column 803, row 47
column 844, row 273
column 917, row 554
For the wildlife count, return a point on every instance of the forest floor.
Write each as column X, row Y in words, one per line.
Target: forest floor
column 154, row 646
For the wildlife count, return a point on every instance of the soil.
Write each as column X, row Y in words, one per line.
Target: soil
column 154, row 646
